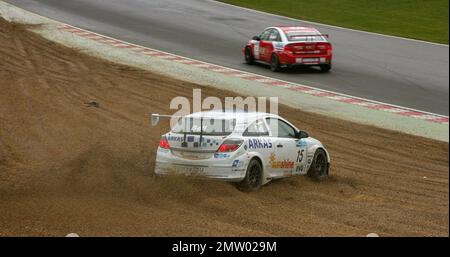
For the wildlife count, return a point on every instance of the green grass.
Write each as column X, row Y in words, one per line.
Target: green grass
column 419, row 19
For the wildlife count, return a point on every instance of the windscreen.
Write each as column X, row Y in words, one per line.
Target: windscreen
column 206, row 126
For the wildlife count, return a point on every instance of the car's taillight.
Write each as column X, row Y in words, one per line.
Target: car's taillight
column 288, row 48
column 293, row 48
column 164, row 143
column 324, row 47
column 229, row 145
column 329, row 49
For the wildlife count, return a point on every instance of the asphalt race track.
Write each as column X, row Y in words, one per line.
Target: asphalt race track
column 402, row 72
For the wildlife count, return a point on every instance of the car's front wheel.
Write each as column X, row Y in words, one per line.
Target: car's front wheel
column 249, row 59
column 319, row 167
column 253, row 177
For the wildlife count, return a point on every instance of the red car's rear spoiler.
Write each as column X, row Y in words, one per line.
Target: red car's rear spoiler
column 314, row 35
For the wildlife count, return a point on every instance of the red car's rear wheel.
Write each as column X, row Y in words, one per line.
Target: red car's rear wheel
column 325, row 67
column 274, row 63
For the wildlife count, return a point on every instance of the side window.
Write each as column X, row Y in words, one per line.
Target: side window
column 265, row 35
column 279, row 128
column 256, row 129
column 275, row 36
column 278, row 36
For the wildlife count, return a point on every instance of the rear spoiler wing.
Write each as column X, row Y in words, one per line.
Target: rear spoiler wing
column 314, row 35
column 156, row 117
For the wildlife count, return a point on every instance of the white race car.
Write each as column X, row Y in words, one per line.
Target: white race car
column 248, row 148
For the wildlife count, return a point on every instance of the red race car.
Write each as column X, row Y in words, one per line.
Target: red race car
column 286, row 46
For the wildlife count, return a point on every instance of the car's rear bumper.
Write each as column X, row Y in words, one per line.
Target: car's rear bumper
column 303, row 60
column 201, row 171
column 227, row 169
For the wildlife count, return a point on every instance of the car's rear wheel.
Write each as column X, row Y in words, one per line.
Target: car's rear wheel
column 249, row 59
column 253, row 177
column 274, row 63
column 319, row 167
column 325, row 67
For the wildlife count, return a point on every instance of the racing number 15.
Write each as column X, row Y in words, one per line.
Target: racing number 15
column 300, row 155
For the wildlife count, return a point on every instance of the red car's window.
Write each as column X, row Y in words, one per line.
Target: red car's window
column 275, row 36
column 265, row 35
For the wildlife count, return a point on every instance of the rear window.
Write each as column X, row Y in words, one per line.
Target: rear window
column 302, row 36
column 211, row 127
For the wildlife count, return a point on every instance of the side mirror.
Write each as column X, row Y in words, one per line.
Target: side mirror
column 302, row 134
column 256, row 38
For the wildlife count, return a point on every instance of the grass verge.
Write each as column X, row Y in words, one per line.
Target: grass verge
column 417, row 19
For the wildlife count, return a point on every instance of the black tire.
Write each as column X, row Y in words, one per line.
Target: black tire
column 319, row 167
column 253, row 177
column 325, row 67
column 249, row 59
column 274, row 63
